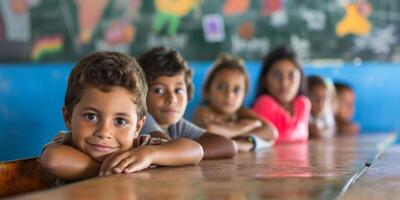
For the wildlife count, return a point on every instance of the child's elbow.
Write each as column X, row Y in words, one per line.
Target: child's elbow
column 48, row 161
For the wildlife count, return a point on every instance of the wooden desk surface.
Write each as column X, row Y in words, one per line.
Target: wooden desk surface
column 313, row 170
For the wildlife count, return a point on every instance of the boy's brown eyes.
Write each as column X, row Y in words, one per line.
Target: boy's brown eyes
column 90, row 116
column 120, row 121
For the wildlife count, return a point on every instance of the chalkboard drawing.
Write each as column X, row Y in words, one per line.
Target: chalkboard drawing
column 355, row 21
column 379, row 41
column 171, row 12
column 246, row 30
column 89, row 13
column 213, row 28
column 235, row 7
column 301, row 46
column 17, row 20
column 119, row 32
column 46, row 45
column 269, row 7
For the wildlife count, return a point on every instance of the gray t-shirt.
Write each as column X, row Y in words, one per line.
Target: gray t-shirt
column 182, row 129
column 150, row 125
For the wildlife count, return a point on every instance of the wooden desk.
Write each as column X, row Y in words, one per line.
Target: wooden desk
column 313, row 170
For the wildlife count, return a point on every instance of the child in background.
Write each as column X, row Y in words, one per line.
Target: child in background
column 280, row 98
column 170, row 87
column 344, row 112
column 322, row 120
column 222, row 113
column 104, row 110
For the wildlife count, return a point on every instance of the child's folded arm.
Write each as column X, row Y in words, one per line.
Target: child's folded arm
column 217, row 146
column 67, row 163
column 267, row 131
column 176, row 152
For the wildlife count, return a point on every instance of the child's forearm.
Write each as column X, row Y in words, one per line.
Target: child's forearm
column 217, row 146
column 177, row 152
column 265, row 132
column 229, row 131
column 67, row 163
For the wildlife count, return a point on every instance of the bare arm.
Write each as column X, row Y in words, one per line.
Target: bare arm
column 348, row 128
column 204, row 118
column 266, row 131
column 217, row 146
column 176, row 152
column 68, row 163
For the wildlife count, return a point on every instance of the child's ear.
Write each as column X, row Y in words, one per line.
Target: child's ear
column 139, row 125
column 67, row 117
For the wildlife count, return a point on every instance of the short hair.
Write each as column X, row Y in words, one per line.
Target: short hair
column 278, row 54
column 314, row 81
column 341, row 86
column 161, row 61
column 226, row 62
column 105, row 70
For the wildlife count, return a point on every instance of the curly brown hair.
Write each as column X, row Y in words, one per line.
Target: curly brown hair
column 105, row 70
column 161, row 61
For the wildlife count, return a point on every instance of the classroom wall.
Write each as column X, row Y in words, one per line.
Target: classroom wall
column 31, row 97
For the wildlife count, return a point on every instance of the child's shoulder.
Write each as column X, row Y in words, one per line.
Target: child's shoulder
column 303, row 101
column 266, row 100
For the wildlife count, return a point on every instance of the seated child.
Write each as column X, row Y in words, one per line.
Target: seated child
column 170, row 87
column 344, row 112
column 322, row 120
column 280, row 98
column 104, row 111
column 222, row 113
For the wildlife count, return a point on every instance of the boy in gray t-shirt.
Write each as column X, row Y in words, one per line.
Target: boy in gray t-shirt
column 182, row 129
column 170, row 87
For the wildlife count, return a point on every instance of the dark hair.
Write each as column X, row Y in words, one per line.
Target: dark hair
column 278, row 54
column 314, row 80
column 340, row 87
column 225, row 62
column 105, row 70
column 161, row 61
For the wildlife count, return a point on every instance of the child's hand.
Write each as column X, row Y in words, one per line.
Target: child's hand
column 127, row 161
column 243, row 145
column 250, row 124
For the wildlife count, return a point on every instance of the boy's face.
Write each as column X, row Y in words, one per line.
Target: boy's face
column 226, row 92
column 345, row 109
column 319, row 96
column 103, row 123
column 283, row 81
column 167, row 99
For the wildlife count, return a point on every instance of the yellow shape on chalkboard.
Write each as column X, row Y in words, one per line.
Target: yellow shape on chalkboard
column 178, row 8
column 353, row 22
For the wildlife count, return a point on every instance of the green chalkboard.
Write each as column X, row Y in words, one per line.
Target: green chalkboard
column 66, row 30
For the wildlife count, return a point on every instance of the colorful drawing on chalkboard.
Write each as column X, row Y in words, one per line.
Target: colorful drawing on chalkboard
column 89, row 13
column 235, row 7
column 213, row 28
column 269, row 7
column 246, row 30
column 355, row 20
column 19, row 6
column 17, row 20
column 46, row 45
column 119, row 32
column 170, row 12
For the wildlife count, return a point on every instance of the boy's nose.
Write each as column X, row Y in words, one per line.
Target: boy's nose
column 171, row 97
column 103, row 132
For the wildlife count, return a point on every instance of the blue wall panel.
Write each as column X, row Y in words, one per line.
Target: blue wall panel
column 31, row 97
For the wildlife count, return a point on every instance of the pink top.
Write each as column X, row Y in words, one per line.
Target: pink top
column 291, row 128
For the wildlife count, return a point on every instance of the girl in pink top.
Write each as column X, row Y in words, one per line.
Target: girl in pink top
column 280, row 98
